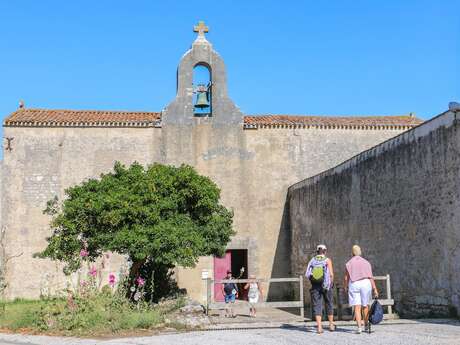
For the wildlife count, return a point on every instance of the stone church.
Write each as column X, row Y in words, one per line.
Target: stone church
column 253, row 159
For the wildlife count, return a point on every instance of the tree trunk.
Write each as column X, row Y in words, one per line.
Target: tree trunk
column 134, row 272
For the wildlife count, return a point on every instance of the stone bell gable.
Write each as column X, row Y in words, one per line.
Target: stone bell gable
column 252, row 158
column 181, row 110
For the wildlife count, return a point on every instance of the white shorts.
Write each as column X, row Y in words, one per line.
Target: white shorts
column 254, row 299
column 360, row 292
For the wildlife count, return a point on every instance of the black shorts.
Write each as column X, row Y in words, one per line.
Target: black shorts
column 317, row 295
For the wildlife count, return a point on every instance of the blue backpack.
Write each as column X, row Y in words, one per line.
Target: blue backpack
column 376, row 313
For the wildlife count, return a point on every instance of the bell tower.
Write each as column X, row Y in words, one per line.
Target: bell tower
column 201, row 87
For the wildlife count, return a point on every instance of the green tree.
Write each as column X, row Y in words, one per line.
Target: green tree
column 160, row 216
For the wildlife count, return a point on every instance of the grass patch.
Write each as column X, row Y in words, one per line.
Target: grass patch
column 98, row 314
column 19, row 314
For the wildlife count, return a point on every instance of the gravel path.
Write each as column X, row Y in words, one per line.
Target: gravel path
column 404, row 333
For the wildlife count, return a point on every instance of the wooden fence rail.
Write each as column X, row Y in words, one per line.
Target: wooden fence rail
column 210, row 304
column 387, row 302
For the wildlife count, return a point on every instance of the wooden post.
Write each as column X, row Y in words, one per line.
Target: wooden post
column 208, row 294
column 302, row 312
column 390, row 308
column 339, row 304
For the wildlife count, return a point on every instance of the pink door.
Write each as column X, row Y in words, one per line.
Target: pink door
column 221, row 266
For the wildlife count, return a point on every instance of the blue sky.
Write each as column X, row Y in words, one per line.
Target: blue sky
column 336, row 57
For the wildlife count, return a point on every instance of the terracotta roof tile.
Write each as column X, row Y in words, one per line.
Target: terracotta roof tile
column 101, row 118
column 49, row 117
column 331, row 121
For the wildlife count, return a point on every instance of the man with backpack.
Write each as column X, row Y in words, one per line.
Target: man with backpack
column 321, row 275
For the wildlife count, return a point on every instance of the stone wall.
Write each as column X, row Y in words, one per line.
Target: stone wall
column 400, row 201
column 44, row 161
column 2, row 243
column 254, row 169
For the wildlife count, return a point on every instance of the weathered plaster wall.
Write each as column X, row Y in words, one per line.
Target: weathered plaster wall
column 42, row 163
column 2, row 241
column 253, row 168
column 400, row 201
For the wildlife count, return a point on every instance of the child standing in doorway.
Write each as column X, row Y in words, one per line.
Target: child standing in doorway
column 254, row 293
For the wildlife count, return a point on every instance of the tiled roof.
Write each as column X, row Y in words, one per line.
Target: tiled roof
column 86, row 118
column 99, row 118
column 282, row 121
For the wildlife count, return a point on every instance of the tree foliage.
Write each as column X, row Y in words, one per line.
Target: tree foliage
column 161, row 215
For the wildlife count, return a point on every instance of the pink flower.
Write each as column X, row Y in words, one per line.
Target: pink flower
column 83, row 253
column 140, row 281
column 93, row 271
column 83, row 283
column 111, row 279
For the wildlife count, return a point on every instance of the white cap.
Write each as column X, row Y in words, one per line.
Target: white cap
column 321, row 246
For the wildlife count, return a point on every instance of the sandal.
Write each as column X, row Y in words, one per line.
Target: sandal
column 332, row 327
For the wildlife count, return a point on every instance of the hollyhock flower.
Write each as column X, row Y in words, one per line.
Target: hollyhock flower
column 84, row 253
column 140, row 281
column 93, row 271
column 111, row 279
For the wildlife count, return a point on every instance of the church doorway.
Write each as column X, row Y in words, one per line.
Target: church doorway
column 235, row 260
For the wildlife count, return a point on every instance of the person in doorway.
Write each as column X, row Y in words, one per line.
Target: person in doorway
column 321, row 275
column 230, row 292
column 359, row 282
column 254, row 293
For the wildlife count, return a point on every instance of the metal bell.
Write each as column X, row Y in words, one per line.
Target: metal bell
column 202, row 100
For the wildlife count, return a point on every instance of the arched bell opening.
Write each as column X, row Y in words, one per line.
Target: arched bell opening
column 202, row 90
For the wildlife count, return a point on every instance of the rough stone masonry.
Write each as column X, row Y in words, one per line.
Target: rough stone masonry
column 253, row 159
column 400, row 201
